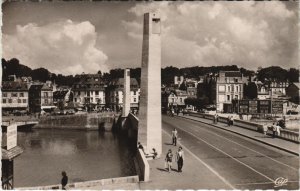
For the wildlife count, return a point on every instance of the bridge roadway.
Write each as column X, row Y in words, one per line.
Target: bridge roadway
column 242, row 162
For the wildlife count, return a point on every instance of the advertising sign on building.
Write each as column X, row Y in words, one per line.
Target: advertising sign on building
column 244, row 106
column 252, row 106
column 11, row 136
column 277, row 106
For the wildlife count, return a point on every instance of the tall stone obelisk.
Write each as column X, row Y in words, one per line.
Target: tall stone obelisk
column 150, row 132
column 126, row 93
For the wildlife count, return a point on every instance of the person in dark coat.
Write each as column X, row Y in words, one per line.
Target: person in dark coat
column 64, row 180
column 180, row 158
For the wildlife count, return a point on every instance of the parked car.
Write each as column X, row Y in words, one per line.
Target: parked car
column 70, row 111
column 80, row 112
column 185, row 112
column 57, row 112
column 291, row 112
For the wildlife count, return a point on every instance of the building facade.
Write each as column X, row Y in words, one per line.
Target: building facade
column 115, row 95
column 89, row 91
column 292, row 91
column 229, row 86
column 14, row 96
column 41, row 97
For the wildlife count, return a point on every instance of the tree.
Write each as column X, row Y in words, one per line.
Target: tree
column 199, row 103
column 293, row 75
column 250, row 90
column 183, row 87
column 168, row 73
column 41, row 74
column 272, row 73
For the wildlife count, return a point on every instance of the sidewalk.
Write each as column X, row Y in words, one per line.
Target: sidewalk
column 281, row 144
column 196, row 174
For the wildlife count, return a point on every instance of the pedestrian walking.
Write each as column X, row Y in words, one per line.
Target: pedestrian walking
column 231, row 120
column 215, row 118
column 168, row 160
column 64, row 180
column 278, row 129
column 180, row 158
column 228, row 121
column 274, row 128
column 177, row 111
column 265, row 129
column 174, row 137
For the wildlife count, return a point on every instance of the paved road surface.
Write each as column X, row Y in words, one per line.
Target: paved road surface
column 242, row 162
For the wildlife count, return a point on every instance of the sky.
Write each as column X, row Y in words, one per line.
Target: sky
column 75, row 37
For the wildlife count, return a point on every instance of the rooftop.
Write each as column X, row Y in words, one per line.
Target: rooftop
column 14, row 86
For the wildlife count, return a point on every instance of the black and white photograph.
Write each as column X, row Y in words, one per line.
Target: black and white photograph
column 150, row 95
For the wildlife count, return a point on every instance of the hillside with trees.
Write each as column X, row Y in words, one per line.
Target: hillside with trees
column 14, row 67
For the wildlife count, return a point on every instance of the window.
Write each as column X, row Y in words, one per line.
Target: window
column 235, row 80
column 236, row 97
column 14, row 95
column 3, row 100
column 97, row 92
column 21, row 94
column 4, row 95
column 24, row 100
column 9, row 100
column 228, row 97
column 45, row 94
column 237, row 88
column 88, row 93
column 181, row 100
column 134, row 99
column 19, row 101
column 228, row 88
column 75, row 99
column 46, row 101
column 134, row 92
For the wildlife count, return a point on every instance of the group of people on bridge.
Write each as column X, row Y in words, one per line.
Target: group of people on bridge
column 179, row 157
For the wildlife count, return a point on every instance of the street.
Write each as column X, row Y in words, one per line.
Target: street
column 241, row 162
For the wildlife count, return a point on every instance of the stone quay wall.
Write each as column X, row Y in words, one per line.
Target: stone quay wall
column 90, row 121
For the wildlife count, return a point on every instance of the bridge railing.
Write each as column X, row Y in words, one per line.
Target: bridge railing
column 290, row 135
column 284, row 134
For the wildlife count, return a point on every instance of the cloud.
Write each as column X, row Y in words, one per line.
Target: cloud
column 64, row 47
column 249, row 34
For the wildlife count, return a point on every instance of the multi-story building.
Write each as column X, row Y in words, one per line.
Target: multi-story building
column 89, row 91
column 191, row 89
column 62, row 97
column 229, row 86
column 263, row 91
column 114, row 94
column 174, row 99
column 14, row 96
column 292, row 92
column 277, row 89
column 41, row 97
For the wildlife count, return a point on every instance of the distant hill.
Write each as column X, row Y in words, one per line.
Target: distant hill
column 14, row 67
